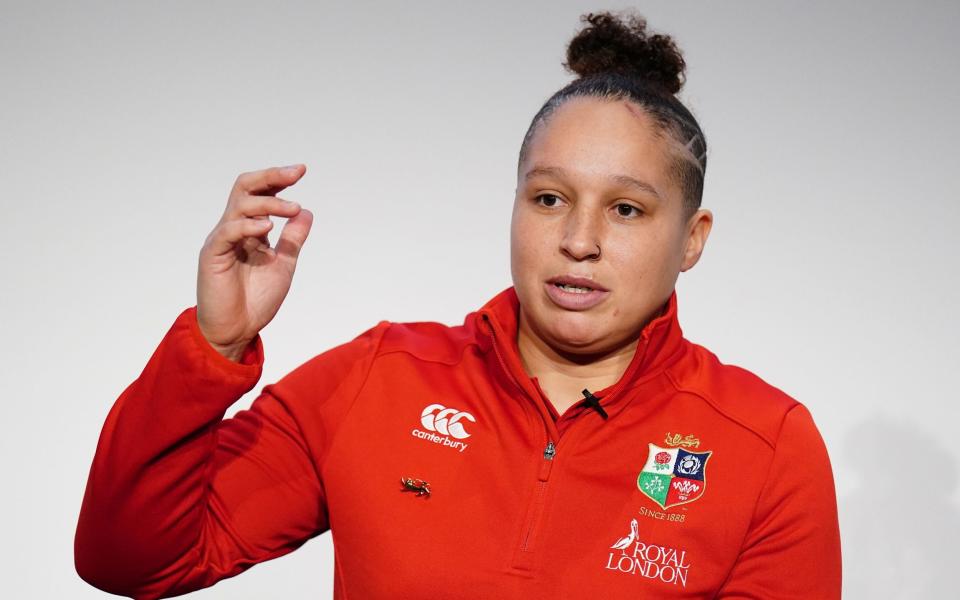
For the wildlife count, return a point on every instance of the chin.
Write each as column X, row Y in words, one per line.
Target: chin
column 575, row 333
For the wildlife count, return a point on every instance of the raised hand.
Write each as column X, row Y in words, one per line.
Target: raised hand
column 241, row 280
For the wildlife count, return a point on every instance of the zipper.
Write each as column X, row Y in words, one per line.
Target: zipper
column 522, row 559
column 543, row 478
column 549, row 451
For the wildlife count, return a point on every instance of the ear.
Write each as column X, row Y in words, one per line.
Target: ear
column 698, row 229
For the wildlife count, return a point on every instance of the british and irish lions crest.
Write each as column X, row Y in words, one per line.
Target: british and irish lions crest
column 673, row 476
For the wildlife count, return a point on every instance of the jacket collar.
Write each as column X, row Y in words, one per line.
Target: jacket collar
column 661, row 341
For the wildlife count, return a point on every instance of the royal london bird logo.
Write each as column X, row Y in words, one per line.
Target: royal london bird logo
column 625, row 542
column 673, row 476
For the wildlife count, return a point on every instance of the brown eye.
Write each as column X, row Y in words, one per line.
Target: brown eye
column 550, row 200
column 624, row 210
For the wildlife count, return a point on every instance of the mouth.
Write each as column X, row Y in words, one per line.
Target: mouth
column 575, row 293
column 576, row 285
column 573, row 288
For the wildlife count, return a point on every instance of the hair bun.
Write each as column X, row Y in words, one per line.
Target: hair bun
column 612, row 45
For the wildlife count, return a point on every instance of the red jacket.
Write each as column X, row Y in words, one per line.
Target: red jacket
column 700, row 481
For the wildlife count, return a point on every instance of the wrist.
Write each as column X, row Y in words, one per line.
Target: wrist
column 233, row 352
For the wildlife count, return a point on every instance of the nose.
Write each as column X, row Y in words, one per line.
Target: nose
column 581, row 236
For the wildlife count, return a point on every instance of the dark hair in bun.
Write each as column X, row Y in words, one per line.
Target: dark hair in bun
column 613, row 46
column 615, row 58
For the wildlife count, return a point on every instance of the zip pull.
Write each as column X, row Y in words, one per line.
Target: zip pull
column 547, row 463
column 549, row 451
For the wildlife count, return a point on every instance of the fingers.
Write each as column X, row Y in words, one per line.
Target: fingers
column 229, row 233
column 263, row 206
column 262, row 185
column 252, row 201
column 267, row 182
column 293, row 235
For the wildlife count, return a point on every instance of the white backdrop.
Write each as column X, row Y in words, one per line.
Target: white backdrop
column 831, row 270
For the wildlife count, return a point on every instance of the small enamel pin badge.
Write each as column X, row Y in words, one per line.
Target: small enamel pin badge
column 419, row 486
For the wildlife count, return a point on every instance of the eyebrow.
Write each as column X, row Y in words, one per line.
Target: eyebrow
column 625, row 180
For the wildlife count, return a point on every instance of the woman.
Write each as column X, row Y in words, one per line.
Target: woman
column 557, row 443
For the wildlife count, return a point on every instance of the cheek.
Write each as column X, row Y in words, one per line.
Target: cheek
column 519, row 253
column 527, row 242
column 651, row 262
column 638, row 262
column 630, row 257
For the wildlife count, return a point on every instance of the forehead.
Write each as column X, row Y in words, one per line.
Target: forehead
column 593, row 138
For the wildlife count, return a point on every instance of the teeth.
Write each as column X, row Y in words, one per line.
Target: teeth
column 574, row 289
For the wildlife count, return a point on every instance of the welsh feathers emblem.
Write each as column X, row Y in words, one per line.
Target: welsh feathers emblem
column 673, row 476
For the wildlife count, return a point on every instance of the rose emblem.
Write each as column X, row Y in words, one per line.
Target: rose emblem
column 661, row 461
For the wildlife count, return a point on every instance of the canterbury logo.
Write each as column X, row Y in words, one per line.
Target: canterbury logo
column 441, row 419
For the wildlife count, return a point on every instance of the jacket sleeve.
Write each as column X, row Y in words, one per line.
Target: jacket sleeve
column 792, row 549
column 178, row 498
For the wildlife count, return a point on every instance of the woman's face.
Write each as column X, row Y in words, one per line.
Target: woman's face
column 595, row 199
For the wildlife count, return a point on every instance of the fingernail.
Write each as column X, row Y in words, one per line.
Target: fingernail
column 291, row 168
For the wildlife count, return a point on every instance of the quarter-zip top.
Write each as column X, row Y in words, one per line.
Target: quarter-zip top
column 502, row 323
column 442, row 471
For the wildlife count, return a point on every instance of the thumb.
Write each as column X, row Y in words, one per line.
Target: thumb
column 293, row 236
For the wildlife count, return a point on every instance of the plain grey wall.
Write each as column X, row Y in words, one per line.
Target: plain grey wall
column 831, row 270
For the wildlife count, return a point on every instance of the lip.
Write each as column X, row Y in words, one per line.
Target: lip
column 579, row 281
column 575, row 300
